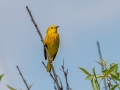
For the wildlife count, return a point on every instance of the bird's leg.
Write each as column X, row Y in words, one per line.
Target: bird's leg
column 50, row 60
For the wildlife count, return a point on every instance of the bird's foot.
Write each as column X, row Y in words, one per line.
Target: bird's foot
column 50, row 60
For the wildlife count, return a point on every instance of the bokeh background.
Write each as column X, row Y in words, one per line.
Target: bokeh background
column 82, row 23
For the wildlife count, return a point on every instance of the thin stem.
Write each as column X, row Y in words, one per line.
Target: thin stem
column 55, row 77
column 61, row 87
column 32, row 19
column 23, row 78
column 55, row 86
column 49, row 72
column 65, row 74
column 101, row 59
column 38, row 30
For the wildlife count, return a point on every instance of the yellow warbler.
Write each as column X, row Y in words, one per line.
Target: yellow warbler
column 51, row 41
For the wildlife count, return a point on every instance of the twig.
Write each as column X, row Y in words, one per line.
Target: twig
column 36, row 26
column 65, row 74
column 32, row 19
column 55, row 86
column 61, row 87
column 23, row 78
column 49, row 72
column 101, row 59
column 55, row 77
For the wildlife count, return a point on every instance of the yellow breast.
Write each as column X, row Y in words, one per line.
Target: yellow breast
column 52, row 41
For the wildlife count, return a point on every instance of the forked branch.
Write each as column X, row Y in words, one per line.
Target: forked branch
column 65, row 74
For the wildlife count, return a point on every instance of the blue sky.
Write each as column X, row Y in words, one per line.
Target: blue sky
column 82, row 23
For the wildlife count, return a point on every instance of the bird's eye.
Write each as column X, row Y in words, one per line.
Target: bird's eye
column 51, row 27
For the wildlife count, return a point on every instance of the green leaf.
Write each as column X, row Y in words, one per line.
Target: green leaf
column 99, row 63
column 103, row 63
column 113, row 87
column 104, row 71
column 89, row 77
column 109, row 71
column 115, row 69
column 94, row 84
column 115, row 76
column 99, row 76
column 94, row 81
column 85, row 71
column 1, row 76
column 118, row 74
column 11, row 88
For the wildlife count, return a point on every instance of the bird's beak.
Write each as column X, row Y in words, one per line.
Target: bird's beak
column 57, row 26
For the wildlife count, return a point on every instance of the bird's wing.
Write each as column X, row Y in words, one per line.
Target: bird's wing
column 54, row 55
column 58, row 47
column 45, row 53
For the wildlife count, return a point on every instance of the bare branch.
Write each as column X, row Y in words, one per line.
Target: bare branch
column 36, row 26
column 55, row 86
column 23, row 78
column 65, row 74
column 61, row 87
column 32, row 19
column 49, row 72
column 55, row 77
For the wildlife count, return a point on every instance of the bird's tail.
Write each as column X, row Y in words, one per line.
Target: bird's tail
column 48, row 66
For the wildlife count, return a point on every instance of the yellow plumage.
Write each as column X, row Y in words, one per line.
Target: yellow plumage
column 51, row 41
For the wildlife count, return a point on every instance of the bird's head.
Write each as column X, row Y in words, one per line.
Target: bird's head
column 52, row 29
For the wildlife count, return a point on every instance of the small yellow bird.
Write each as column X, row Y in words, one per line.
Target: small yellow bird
column 51, row 41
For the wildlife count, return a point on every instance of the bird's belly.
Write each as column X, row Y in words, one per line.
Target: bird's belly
column 52, row 42
column 52, row 50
